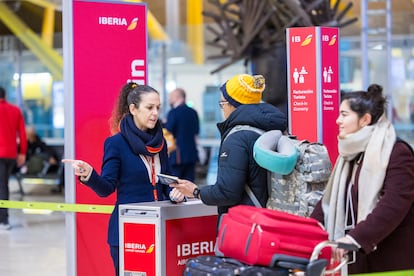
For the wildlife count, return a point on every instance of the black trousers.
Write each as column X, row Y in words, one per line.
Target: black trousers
column 6, row 167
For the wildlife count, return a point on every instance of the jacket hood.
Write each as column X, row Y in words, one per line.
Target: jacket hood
column 263, row 116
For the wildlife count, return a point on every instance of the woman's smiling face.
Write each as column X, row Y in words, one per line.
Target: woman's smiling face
column 348, row 120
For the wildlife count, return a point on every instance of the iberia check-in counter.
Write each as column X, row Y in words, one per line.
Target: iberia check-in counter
column 157, row 238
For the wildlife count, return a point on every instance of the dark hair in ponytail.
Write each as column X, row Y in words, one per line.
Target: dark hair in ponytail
column 131, row 93
column 121, row 107
column 135, row 95
column 371, row 101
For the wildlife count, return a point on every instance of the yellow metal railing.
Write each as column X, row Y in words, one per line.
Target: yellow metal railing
column 155, row 30
column 42, row 47
column 52, row 60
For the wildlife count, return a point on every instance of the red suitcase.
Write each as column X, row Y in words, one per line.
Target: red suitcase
column 254, row 235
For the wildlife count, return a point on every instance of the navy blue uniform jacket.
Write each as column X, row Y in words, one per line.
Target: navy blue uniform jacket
column 125, row 172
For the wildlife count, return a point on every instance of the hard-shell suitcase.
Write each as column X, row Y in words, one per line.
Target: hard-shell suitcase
column 223, row 266
column 254, row 235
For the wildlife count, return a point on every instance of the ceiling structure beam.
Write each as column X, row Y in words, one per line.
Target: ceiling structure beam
column 43, row 47
column 48, row 26
column 195, row 34
column 56, row 5
column 46, row 54
column 155, row 30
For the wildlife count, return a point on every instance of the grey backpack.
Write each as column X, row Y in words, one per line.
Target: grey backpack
column 296, row 192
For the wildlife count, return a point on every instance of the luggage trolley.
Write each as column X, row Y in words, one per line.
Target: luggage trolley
column 314, row 266
column 269, row 242
column 281, row 265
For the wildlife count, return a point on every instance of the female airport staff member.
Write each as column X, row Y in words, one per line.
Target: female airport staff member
column 369, row 199
column 132, row 157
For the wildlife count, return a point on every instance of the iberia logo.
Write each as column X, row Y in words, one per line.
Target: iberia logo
column 133, row 247
column 118, row 21
column 332, row 41
column 307, row 40
column 150, row 249
column 133, row 24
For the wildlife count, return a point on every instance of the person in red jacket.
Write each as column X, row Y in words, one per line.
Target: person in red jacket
column 12, row 126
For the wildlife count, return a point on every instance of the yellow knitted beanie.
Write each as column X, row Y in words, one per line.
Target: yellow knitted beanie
column 244, row 89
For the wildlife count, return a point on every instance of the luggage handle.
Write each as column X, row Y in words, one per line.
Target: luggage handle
column 347, row 246
column 318, row 248
column 350, row 247
column 289, row 262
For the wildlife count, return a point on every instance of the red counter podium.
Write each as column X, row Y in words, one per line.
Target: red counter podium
column 157, row 238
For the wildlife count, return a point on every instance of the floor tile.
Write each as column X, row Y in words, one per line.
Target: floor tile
column 35, row 245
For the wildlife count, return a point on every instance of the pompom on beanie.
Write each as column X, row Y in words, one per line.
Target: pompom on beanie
column 243, row 89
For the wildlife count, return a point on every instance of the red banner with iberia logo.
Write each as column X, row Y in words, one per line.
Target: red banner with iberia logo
column 302, row 79
column 330, row 88
column 313, row 84
column 109, row 49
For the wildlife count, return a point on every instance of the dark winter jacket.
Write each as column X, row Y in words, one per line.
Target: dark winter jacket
column 236, row 166
column 386, row 236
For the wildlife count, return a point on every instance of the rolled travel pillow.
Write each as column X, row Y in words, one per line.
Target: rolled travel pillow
column 275, row 152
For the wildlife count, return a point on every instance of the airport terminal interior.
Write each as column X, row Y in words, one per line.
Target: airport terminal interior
column 36, row 244
column 376, row 46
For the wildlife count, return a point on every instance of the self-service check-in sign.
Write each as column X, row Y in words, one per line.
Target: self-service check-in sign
column 313, row 84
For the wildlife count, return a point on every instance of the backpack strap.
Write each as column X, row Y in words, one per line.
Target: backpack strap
column 249, row 191
column 252, row 196
column 238, row 128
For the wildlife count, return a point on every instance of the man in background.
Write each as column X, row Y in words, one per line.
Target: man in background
column 183, row 124
column 11, row 126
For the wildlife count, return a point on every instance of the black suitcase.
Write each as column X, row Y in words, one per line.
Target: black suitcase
column 222, row 266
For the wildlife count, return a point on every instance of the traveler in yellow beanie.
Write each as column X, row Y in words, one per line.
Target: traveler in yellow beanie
column 241, row 105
